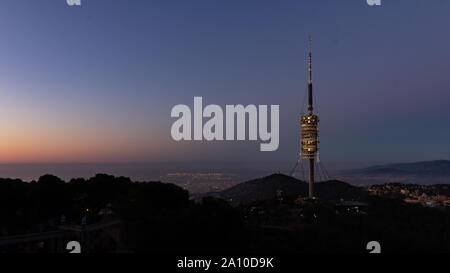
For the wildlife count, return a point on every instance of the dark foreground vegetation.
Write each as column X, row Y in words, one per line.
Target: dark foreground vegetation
column 158, row 217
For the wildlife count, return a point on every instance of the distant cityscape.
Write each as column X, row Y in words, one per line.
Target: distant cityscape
column 426, row 195
column 200, row 183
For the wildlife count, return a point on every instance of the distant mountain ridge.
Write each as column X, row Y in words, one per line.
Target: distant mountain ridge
column 423, row 172
column 436, row 167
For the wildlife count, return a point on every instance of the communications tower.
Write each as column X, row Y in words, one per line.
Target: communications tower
column 309, row 123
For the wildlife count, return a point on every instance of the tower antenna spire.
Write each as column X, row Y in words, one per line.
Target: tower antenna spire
column 310, row 60
column 310, row 96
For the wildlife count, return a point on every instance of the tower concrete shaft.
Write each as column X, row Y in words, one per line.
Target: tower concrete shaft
column 311, row 178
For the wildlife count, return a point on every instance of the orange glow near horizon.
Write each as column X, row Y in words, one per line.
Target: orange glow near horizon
column 51, row 146
column 45, row 132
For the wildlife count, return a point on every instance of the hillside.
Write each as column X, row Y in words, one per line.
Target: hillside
column 266, row 188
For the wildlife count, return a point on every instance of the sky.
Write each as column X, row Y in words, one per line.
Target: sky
column 96, row 83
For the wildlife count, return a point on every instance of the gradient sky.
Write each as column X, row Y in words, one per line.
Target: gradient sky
column 96, row 83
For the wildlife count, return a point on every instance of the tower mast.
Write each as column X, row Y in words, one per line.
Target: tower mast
column 310, row 97
column 309, row 125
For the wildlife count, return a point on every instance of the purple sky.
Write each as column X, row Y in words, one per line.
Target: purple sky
column 96, row 83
